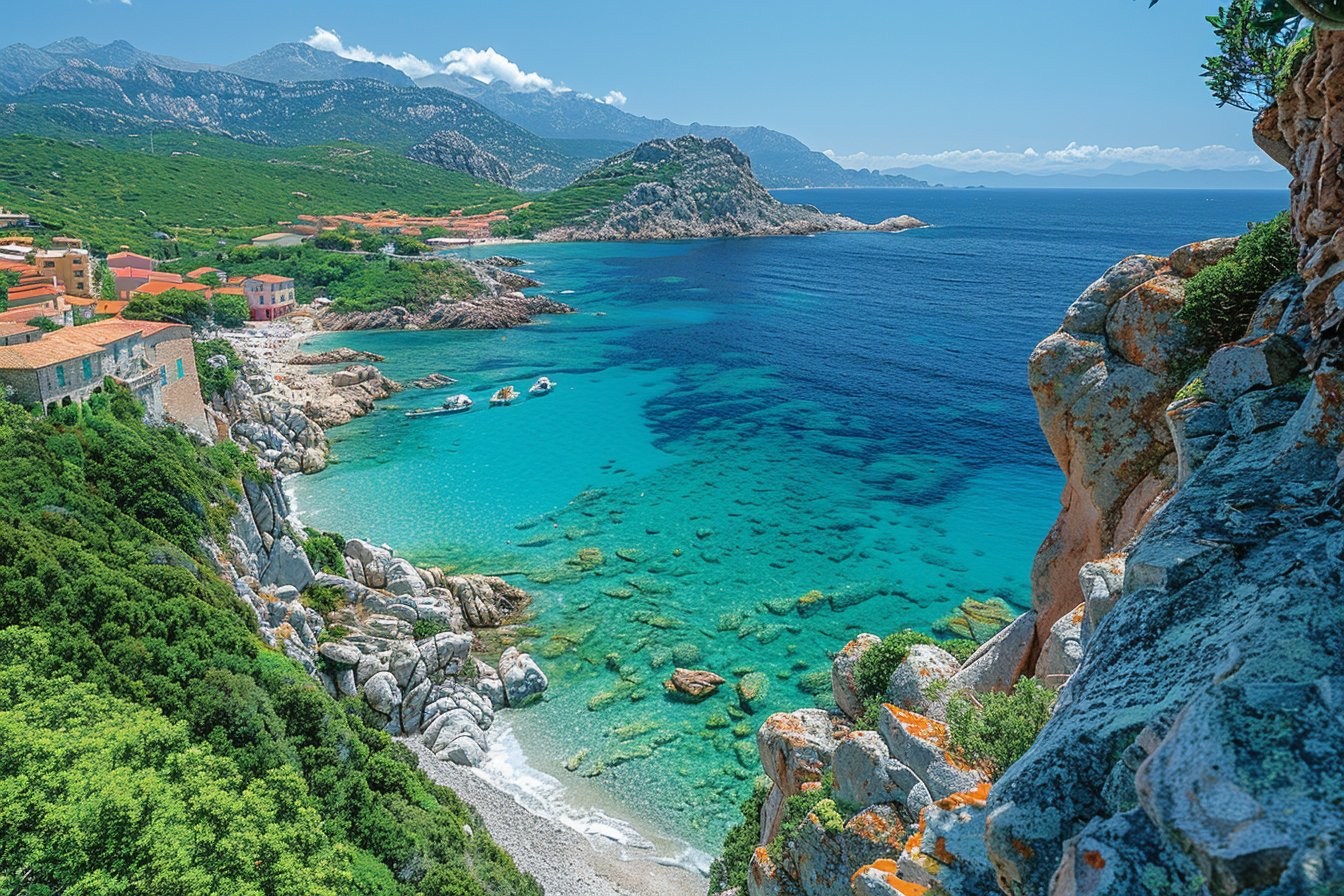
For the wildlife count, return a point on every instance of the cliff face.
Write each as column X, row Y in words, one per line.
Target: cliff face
column 454, row 151
column 1186, row 602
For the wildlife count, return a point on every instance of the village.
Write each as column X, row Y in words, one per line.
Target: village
column 63, row 327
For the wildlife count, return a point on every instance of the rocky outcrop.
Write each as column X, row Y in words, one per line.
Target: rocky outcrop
column 1102, row 385
column 693, row 684
column 511, row 309
column 340, row 355
column 690, row 188
column 454, row 151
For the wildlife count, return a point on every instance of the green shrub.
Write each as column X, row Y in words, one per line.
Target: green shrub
column 326, row 551
column 45, row 324
column 322, row 598
column 730, row 868
column 230, row 312
column 1220, row 300
column 995, row 734
column 1193, row 389
column 873, row 671
column 428, row 628
column 960, row 648
column 216, row 380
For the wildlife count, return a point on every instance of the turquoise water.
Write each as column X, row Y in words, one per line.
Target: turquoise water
column 739, row 423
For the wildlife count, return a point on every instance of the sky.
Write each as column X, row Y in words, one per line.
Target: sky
column 1029, row 85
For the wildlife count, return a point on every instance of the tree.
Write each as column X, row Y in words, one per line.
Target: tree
column 7, row 279
column 230, row 311
column 180, row 306
column 107, row 284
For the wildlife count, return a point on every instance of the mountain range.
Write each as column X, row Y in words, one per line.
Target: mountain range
column 294, row 94
column 1116, row 177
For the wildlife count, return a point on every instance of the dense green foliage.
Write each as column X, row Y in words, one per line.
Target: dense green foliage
column 149, row 743
column 216, row 380
column 229, row 312
column 353, row 282
column 996, row 733
column 201, row 189
column 322, row 598
column 44, row 323
column 178, row 306
column 874, row 668
column 960, row 648
column 1220, row 299
column 730, row 868
column 1259, row 44
column 7, row 279
column 583, row 199
column 326, row 551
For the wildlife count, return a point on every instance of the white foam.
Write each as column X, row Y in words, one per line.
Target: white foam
column 566, row 292
column 506, row 768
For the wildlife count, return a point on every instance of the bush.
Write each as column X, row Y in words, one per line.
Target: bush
column 322, row 598
column 874, row 668
column 326, row 551
column 960, row 648
column 730, row 868
column 1220, row 300
column 229, row 312
column 997, row 732
column 46, row 325
column 216, row 380
column 180, row 306
column 427, row 628
column 1193, row 389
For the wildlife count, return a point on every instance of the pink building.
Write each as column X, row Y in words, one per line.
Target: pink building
column 269, row 296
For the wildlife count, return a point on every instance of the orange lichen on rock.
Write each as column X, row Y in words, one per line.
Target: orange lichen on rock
column 975, row 798
column 1023, row 849
column 887, row 868
column 940, row 852
column 1094, row 859
column 809, row 786
column 875, row 828
column 919, row 726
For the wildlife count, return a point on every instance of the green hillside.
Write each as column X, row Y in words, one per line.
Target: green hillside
column 587, row 197
column 201, row 189
column 149, row 742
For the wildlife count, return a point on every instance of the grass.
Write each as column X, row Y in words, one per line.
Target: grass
column 200, row 190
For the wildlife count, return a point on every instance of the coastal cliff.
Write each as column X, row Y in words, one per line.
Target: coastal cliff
column 686, row 188
column 1185, row 608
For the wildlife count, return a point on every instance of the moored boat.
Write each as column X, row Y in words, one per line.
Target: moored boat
column 454, row 404
column 542, row 386
column 504, row 396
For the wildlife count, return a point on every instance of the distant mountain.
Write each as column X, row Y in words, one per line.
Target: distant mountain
column 81, row 97
column 21, row 66
column 300, row 62
column 1119, row 177
column 778, row 159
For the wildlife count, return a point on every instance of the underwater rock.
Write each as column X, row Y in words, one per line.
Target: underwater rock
column 752, row 689
column 695, row 684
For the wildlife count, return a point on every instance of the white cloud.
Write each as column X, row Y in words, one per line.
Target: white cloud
column 489, row 66
column 330, row 41
column 1074, row 157
column 613, row 98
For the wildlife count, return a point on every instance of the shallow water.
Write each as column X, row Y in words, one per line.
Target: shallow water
column 739, row 423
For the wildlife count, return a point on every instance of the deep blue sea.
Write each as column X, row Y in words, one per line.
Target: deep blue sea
column 740, row 423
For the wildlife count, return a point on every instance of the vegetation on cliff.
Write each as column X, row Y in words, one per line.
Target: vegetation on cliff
column 1220, row 299
column 148, row 741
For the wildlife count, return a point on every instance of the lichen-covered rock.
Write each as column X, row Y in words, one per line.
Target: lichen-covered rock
column 843, row 686
column 1000, row 661
column 1101, row 582
column 1063, row 649
column 1196, row 426
column 921, row 677
column 486, row 601
column 919, row 743
column 694, row 684
column 948, row 851
column 1258, row 363
column 796, row 747
column 1189, row 260
column 866, row 774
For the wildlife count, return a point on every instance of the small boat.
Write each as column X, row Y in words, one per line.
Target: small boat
column 503, row 396
column 542, row 386
column 454, row 404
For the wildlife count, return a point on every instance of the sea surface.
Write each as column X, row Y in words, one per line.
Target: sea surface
column 738, row 424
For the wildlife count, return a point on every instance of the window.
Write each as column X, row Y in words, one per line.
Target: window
column 60, row 375
column 88, row 369
column 180, row 372
column 163, row 376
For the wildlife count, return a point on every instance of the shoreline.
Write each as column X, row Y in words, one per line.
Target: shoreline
column 571, row 850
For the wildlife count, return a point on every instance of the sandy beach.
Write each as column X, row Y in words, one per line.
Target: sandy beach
column 564, row 861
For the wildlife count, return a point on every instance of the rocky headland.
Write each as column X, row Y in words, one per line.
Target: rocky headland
column 1185, row 608
column 690, row 188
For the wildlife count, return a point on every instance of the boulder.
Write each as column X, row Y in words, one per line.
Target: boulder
column 1000, row 661
column 403, row 578
column 918, row 743
column 1063, row 649
column 522, row 677
column 882, row 878
column 366, row 563
column 752, row 689
column 843, row 686
column 796, row 747
column 921, row 677
column 1196, row 425
column 695, row 684
column 486, row 601
column 948, row 852
column 1102, row 582
column 1259, row 363
column 340, row 654
column 866, row 774
column 383, row 694
column 1187, row 261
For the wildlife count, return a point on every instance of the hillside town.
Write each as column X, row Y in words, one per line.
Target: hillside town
column 63, row 328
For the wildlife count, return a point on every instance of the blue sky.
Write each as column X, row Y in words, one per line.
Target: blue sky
column 871, row 80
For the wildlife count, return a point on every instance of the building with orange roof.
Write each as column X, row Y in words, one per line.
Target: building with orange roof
column 159, row 287
column 81, row 307
column 156, row 361
column 131, row 260
column 57, row 311
column 26, row 294
column 67, row 261
column 269, row 296
column 18, row 334
column 105, row 307
column 204, row 272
